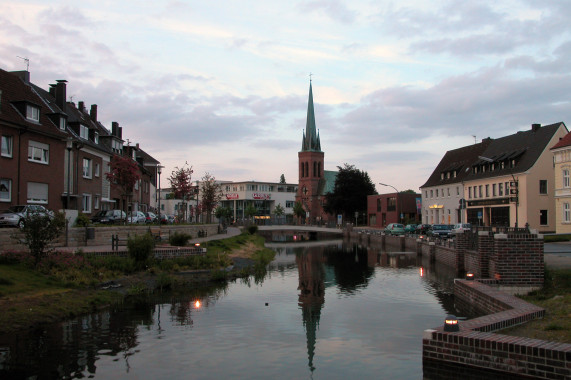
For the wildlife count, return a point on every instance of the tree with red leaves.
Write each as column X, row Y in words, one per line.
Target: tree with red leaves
column 181, row 183
column 124, row 173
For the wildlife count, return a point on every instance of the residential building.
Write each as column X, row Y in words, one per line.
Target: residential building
column 562, row 184
column 384, row 209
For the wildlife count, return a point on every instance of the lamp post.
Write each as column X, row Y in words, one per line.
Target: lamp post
column 197, row 191
column 159, row 170
column 69, row 147
column 397, row 205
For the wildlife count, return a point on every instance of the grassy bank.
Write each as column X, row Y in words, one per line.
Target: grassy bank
column 64, row 286
column 555, row 297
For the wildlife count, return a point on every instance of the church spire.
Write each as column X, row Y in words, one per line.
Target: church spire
column 311, row 137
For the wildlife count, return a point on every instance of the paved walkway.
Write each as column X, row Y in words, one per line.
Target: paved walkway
column 558, row 255
column 232, row 231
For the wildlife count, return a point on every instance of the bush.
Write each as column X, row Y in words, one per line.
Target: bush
column 179, row 239
column 252, row 229
column 39, row 231
column 140, row 247
column 82, row 220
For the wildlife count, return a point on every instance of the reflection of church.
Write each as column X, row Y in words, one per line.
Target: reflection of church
column 314, row 180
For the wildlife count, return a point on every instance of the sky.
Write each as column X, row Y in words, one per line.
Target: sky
column 223, row 85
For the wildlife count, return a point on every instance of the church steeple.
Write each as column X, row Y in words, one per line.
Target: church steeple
column 311, row 136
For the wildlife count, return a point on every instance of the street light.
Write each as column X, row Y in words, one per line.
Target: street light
column 398, row 214
column 69, row 147
column 197, row 191
column 159, row 170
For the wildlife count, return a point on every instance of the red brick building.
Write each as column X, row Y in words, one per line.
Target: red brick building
column 393, row 208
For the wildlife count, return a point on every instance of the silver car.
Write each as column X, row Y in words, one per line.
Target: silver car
column 137, row 217
column 15, row 215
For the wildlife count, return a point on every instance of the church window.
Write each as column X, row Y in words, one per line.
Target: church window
column 315, row 169
column 301, row 170
column 319, row 169
column 306, row 169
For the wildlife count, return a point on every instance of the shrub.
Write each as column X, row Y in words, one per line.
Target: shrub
column 82, row 220
column 140, row 247
column 179, row 239
column 39, row 231
column 252, row 229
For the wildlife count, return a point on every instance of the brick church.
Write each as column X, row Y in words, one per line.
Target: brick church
column 314, row 180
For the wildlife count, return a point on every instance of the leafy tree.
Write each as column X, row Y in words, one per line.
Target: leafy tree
column 350, row 192
column 409, row 191
column 250, row 211
column 279, row 210
column 181, row 183
column 282, row 179
column 298, row 210
column 123, row 173
column 223, row 212
column 39, row 231
column 211, row 194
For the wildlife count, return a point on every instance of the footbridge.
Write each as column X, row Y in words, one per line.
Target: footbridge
column 289, row 233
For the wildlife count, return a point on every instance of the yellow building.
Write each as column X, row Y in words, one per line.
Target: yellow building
column 562, row 160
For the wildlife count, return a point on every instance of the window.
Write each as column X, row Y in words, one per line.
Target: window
column 565, row 175
column 62, row 123
column 86, row 203
column 86, row 168
column 5, row 190
column 84, row 132
column 500, row 189
column 96, row 202
column 457, row 190
column 37, row 192
column 543, row 186
column 566, row 213
column 436, row 193
column 97, row 168
column 289, row 204
column 38, row 152
column 493, row 190
column 469, row 192
column 379, row 204
column 543, row 217
column 448, row 190
column 96, row 137
column 7, row 146
column 32, row 113
column 487, row 191
column 480, row 191
column 391, row 204
column 431, row 193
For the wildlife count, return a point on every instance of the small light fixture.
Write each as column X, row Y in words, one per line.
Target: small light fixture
column 451, row 324
column 197, row 244
column 469, row 276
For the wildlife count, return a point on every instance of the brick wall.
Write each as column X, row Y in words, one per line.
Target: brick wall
column 517, row 259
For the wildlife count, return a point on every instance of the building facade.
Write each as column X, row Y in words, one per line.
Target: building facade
column 390, row 208
column 562, row 184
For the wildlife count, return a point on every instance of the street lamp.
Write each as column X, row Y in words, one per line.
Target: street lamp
column 397, row 205
column 197, row 191
column 69, row 147
column 159, row 170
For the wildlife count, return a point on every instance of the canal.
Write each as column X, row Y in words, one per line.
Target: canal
column 327, row 310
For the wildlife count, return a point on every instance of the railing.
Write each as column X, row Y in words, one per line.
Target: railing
column 501, row 229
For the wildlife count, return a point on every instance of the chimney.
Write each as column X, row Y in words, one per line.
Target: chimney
column 535, row 127
column 61, row 93
column 23, row 75
column 114, row 127
column 120, row 130
column 81, row 106
column 93, row 112
column 53, row 90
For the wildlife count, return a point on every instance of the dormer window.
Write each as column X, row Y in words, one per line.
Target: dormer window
column 32, row 113
column 62, row 123
column 441, row 175
column 84, row 132
column 96, row 138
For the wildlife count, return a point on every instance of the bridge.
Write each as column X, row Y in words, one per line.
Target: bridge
column 301, row 228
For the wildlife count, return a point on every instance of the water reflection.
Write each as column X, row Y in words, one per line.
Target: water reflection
column 320, row 311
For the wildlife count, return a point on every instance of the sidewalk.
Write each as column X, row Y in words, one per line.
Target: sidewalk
column 558, row 255
column 232, row 231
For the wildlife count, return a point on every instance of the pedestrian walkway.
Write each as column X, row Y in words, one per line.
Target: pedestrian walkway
column 231, row 231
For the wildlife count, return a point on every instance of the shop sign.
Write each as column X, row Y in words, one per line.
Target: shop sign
column 261, row 196
column 232, row 196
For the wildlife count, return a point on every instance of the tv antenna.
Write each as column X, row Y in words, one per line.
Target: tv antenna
column 27, row 62
column 474, row 136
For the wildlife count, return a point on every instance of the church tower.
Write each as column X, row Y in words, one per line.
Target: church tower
column 311, row 171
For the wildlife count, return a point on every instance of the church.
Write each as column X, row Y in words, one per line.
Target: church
column 314, row 181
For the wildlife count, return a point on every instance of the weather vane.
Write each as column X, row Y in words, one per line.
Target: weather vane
column 310, row 75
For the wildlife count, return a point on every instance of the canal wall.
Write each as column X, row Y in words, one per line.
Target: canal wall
column 78, row 236
column 475, row 344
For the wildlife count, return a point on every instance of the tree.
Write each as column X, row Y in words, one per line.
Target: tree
column 298, row 210
column 250, row 211
column 181, row 183
column 223, row 213
column 39, row 231
column 211, row 194
column 282, row 179
column 123, row 173
column 279, row 211
column 349, row 195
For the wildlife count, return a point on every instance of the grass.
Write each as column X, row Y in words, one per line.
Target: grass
column 64, row 285
column 555, row 297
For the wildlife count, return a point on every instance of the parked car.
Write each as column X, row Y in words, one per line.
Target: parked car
column 16, row 215
column 462, row 227
column 394, row 229
column 423, row 229
column 136, row 217
column 167, row 219
column 108, row 216
column 442, row 231
column 150, row 217
column 410, row 228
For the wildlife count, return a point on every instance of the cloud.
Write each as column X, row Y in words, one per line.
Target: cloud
column 333, row 9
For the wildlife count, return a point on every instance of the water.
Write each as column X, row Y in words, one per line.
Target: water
column 321, row 312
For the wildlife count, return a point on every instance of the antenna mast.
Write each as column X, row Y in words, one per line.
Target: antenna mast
column 27, row 62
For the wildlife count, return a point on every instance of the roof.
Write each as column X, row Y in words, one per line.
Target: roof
column 310, row 140
column 563, row 142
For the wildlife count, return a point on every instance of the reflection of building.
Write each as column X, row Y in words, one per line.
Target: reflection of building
column 385, row 209
column 314, row 180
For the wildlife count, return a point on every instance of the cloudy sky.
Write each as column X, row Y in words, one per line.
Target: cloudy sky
column 223, row 85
